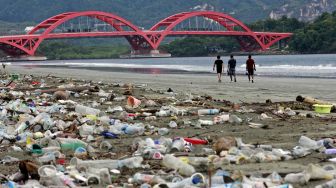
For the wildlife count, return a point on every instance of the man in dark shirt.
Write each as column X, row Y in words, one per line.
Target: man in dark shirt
column 232, row 68
column 220, row 68
column 250, row 67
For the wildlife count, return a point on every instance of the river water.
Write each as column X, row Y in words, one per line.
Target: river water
column 322, row 66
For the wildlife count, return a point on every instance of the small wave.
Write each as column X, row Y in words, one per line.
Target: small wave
column 120, row 65
column 302, row 67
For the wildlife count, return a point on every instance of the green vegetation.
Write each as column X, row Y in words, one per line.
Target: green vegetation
column 66, row 50
column 144, row 13
column 316, row 37
column 282, row 25
column 201, row 46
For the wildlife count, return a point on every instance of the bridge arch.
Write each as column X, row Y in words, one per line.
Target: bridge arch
column 140, row 40
column 225, row 20
column 135, row 37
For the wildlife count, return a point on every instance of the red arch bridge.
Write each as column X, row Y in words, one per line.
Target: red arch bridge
column 102, row 24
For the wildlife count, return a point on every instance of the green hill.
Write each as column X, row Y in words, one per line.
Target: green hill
column 141, row 12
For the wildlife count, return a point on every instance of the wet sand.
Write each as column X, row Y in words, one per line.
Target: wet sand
column 276, row 89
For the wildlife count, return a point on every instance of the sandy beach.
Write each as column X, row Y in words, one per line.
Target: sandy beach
column 274, row 88
column 280, row 132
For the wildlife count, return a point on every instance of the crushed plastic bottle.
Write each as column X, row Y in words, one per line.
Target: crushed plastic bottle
column 84, row 110
column 235, row 119
column 170, row 161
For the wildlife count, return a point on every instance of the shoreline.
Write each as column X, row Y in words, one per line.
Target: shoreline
column 276, row 89
column 165, row 71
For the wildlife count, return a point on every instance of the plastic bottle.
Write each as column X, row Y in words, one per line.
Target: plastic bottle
column 114, row 121
column 134, row 162
column 48, row 176
column 133, row 129
column 327, row 143
column 43, row 119
column 145, row 185
column 207, row 112
column 265, row 147
column 330, row 151
column 84, row 110
column 126, row 116
column 163, row 131
column 223, row 178
column 78, row 177
column 298, row 178
column 9, row 159
column 221, row 119
column 205, row 122
column 150, row 118
column 309, row 143
column 50, row 149
column 46, row 158
column 80, row 152
column 329, row 184
column 198, row 161
column 105, row 176
column 107, row 134
column 167, row 142
column 70, row 144
column 162, row 113
column 299, row 151
column 150, row 142
column 86, row 130
column 146, row 178
column 67, row 181
column 115, row 109
column 235, row 119
column 22, row 137
column 172, row 162
column 93, row 179
column 105, row 145
column 8, row 184
column 195, row 180
column 172, row 124
column 23, row 126
column 177, row 145
column 318, row 173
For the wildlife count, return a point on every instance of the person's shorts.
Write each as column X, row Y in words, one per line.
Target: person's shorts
column 250, row 71
column 219, row 70
column 232, row 72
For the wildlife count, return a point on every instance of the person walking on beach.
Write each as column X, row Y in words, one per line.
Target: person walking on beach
column 219, row 64
column 250, row 68
column 232, row 68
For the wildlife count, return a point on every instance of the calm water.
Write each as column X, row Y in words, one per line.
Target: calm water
column 274, row 65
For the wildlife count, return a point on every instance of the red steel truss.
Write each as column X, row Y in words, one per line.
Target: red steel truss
column 140, row 40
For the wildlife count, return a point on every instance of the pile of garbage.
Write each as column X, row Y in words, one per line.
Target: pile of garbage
column 68, row 133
